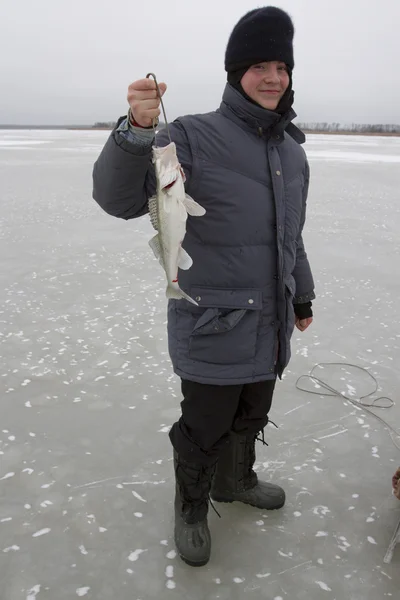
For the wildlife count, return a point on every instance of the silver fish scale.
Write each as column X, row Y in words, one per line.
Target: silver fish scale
column 153, row 212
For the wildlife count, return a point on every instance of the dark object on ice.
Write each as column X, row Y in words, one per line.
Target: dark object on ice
column 396, row 484
column 235, row 479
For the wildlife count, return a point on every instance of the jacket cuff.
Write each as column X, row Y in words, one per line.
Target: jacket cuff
column 308, row 297
column 141, row 139
column 303, row 310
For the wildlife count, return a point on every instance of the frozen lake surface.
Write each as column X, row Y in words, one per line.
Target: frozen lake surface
column 88, row 395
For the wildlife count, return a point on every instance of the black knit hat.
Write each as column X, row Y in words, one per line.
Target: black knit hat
column 263, row 34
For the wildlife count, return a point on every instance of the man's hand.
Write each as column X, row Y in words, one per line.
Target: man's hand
column 303, row 324
column 144, row 101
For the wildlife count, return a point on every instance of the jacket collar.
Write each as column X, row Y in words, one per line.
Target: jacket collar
column 264, row 122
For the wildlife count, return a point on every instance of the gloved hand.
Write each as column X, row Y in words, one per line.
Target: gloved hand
column 304, row 315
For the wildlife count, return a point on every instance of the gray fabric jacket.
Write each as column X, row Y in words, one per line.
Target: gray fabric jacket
column 249, row 261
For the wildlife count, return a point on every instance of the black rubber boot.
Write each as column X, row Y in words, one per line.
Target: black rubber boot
column 192, row 535
column 235, row 480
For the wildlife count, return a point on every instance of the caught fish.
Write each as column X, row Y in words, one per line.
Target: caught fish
column 168, row 210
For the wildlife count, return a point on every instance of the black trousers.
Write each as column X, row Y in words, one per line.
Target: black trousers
column 210, row 412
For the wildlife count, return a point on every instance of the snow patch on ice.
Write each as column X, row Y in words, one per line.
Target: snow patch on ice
column 11, row 549
column 133, row 557
column 323, row 586
column 33, row 592
column 321, row 511
column 171, row 585
column 139, row 497
column 41, row 532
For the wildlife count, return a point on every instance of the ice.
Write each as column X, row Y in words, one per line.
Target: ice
column 353, row 157
column 20, row 143
column 83, row 302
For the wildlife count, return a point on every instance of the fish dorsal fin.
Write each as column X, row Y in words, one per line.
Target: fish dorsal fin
column 192, row 207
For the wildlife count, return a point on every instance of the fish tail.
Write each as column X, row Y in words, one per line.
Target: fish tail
column 175, row 292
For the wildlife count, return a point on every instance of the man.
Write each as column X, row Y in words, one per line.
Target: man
column 250, row 276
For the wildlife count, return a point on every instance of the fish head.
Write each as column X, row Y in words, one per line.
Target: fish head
column 167, row 166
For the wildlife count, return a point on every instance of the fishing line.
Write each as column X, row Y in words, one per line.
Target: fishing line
column 382, row 402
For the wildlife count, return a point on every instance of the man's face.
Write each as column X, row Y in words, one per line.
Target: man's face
column 266, row 82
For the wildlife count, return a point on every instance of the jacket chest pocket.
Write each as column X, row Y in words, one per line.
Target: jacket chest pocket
column 226, row 332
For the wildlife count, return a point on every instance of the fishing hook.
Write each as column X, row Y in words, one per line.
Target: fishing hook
column 162, row 105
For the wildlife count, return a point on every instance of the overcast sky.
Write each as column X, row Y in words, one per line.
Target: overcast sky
column 71, row 61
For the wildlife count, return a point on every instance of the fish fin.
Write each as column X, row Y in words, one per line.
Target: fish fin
column 178, row 294
column 167, row 178
column 184, row 260
column 155, row 245
column 193, row 208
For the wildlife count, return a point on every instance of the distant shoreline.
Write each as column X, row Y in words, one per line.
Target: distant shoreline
column 359, row 133
column 93, row 128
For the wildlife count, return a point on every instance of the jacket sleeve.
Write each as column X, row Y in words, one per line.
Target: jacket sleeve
column 302, row 270
column 123, row 175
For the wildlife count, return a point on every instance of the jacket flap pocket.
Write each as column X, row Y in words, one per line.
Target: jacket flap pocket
column 214, row 321
column 248, row 299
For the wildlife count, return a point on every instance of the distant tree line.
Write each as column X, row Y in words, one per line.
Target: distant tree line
column 350, row 128
column 112, row 124
column 312, row 127
column 104, row 125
